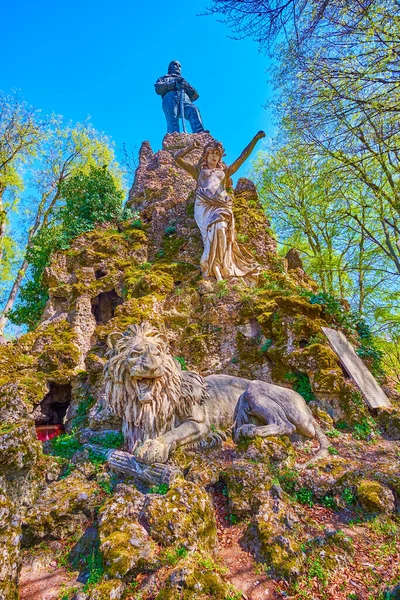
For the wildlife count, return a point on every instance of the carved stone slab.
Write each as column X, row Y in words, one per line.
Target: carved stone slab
column 372, row 392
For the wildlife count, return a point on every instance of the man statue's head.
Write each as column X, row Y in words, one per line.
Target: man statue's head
column 174, row 68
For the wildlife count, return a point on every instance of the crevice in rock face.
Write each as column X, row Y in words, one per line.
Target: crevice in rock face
column 104, row 305
column 54, row 405
column 100, row 273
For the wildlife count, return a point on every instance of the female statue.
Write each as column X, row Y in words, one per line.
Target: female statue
column 222, row 257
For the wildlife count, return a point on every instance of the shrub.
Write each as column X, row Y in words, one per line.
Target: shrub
column 81, row 412
column 348, row 496
column 113, row 439
column 301, row 385
column 159, row 489
column 329, row 502
column 365, row 430
column 95, row 568
column 65, row 445
column 90, row 198
column 305, row 496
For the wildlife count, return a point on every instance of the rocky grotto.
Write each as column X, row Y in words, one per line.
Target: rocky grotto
column 262, row 514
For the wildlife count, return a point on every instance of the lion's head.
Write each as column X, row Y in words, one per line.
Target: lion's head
column 144, row 384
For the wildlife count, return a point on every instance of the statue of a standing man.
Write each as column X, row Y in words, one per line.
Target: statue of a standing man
column 177, row 93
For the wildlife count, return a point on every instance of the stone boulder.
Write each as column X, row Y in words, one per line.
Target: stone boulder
column 124, row 543
column 22, row 465
column 184, row 516
column 274, row 535
column 247, row 486
column 375, row 497
column 10, row 560
column 63, row 508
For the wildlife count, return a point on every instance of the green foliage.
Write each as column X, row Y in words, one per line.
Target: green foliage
column 341, row 425
column 305, row 496
column 81, row 412
column 288, row 480
column 329, row 502
column 68, row 470
column 67, row 593
column 368, row 349
column 133, row 216
column 113, row 439
column 330, row 304
column 317, row 570
column 170, row 230
column 33, row 295
column 366, row 429
column 95, row 567
column 182, row 362
column 332, row 433
column 96, row 458
column 108, row 486
column 242, row 238
column 172, row 557
column 318, row 338
column 348, row 496
column 333, row 451
column 159, row 489
column 301, row 385
column 234, row 596
column 91, row 197
column 266, row 346
column 222, row 288
column 232, row 519
column 65, row 445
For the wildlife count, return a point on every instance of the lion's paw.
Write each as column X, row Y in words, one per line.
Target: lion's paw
column 245, row 431
column 153, row 451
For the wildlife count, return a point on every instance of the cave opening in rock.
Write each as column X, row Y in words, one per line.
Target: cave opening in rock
column 54, row 405
column 104, row 305
column 100, row 273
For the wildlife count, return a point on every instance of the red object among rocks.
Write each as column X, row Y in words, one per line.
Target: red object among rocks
column 47, row 432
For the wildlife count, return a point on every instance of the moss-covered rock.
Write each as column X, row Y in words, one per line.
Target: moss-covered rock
column 22, row 465
column 112, row 589
column 10, row 531
column 327, row 476
column 274, row 536
column 246, row 485
column 375, row 497
column 271, row 451
column 61, row 510
column 351, row 403
column 182, row 516
column 124, row 543
column 196, row 576
column 389, row 420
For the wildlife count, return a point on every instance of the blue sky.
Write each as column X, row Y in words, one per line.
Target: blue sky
column 102, row 59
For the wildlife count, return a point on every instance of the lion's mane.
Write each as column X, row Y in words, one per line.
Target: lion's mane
column 173, row 394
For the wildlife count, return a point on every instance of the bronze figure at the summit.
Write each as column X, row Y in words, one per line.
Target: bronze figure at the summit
column 178, row 98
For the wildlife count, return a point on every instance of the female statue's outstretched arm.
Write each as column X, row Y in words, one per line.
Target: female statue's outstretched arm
column 245, row 154
column 178, row 156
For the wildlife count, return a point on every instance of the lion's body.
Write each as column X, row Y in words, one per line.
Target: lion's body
column 163, row 407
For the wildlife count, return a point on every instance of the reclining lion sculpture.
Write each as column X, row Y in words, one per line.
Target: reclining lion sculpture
column 163, row 407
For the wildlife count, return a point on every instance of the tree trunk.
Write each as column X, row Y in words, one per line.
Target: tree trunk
column 13, row 294
column 3, row 222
